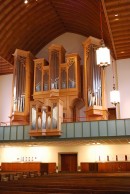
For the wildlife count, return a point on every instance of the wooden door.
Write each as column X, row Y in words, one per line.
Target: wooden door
column 69, row 162
column 111, row 113
column 74, row 114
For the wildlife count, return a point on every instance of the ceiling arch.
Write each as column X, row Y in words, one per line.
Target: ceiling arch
column 31, row 26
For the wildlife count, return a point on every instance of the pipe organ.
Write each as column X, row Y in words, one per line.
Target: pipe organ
column 56, row 91
column 22, row 87
column 50, row 92
column 94, row 79
column 46, row 117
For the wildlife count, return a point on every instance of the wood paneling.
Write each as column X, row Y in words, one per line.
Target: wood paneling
column 84, row 167
column 29, row 166
column 36, row 29
column 21, row 166
column 93, row 167
column 118, row 20
column 48, row 167
column 105, row 167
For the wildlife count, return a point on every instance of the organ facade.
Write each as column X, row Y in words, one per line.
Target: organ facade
column 47, row 93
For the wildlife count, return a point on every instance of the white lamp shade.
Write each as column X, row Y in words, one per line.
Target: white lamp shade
column 115, row 97
column 25, row 1
column 103, row 56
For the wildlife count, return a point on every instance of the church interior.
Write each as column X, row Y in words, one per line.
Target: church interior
column 63, row 107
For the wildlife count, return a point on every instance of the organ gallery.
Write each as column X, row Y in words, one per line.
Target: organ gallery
column 47, row 93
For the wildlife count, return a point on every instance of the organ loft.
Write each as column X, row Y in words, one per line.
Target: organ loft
column 47, row 93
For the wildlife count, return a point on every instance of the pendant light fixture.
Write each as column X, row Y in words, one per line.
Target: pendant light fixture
column 25, row 1
column 114, row 94
column 102, row 53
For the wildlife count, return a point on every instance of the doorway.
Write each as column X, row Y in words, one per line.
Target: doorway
column 112, row 113
column 68, row 162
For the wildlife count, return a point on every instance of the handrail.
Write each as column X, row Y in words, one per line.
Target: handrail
column 4, row 123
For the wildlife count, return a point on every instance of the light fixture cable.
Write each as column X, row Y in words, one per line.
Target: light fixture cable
column 114, row 86
column 102, row 53
column 101, row 28
column 115, row 94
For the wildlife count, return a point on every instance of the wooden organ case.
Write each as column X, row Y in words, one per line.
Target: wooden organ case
column 70, row 87
column 57, row 92
column 22, row 87
column 94, row 82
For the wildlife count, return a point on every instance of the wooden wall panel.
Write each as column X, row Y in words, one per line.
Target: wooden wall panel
column 29, row 166
column 84, row 167
column 109, row 167
column 51, row 167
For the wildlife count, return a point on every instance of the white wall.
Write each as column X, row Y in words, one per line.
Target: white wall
column 123, row 68
column 5, row 97
column 88, row 153
column 70, row 41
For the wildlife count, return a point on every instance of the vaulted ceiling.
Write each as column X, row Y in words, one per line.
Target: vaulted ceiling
column 31, row 26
